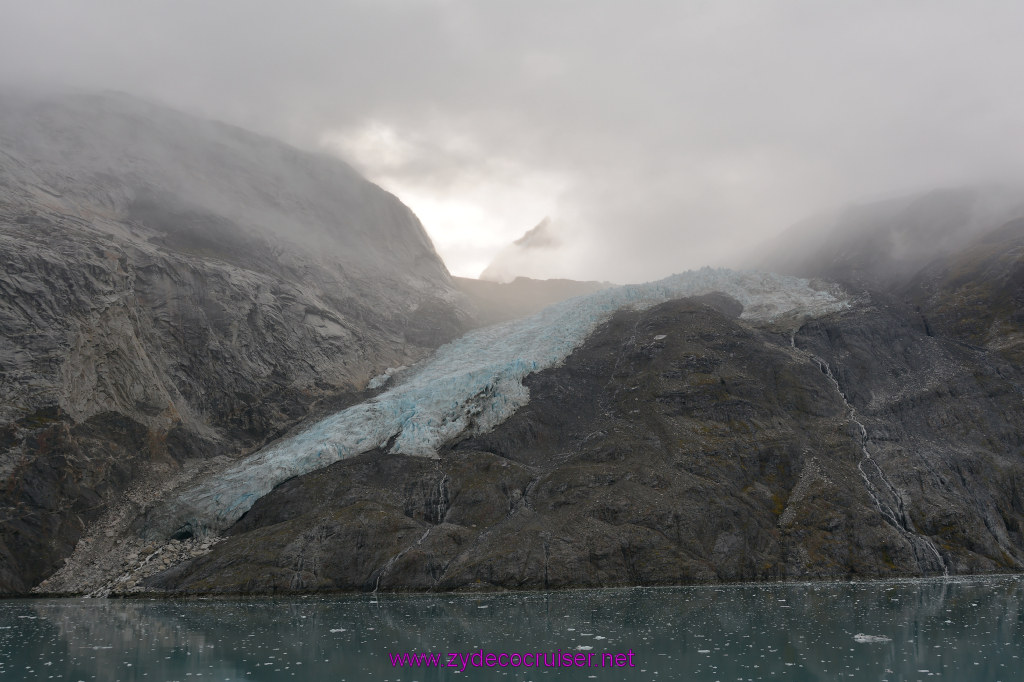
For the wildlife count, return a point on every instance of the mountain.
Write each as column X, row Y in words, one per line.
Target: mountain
column 955, row 255
column 881, row 245
column 175, row 293
column 468, row 387
column 681, row 443
column 698, row 440
column 228, row 366
column 538, row 250
column 977, row 293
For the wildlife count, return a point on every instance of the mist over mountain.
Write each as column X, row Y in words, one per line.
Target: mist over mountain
column 884, row 244
column 666, row 138
column 956, row 256
column 231, row 366
column 976, row 293
column 176, row 290
column 539, row 249
column 128, row 158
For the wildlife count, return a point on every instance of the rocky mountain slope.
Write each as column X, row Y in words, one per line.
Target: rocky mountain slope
column 685, row 444
column 977, row 293
column 469, row 386
column 222, row 371
column 676, row 444
column 175, row 293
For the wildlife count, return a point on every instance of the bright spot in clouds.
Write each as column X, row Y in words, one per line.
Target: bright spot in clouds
column 471, row 209
column 658, row 139
column 375, row 144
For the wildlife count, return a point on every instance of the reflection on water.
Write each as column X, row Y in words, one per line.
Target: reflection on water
column 960, row 629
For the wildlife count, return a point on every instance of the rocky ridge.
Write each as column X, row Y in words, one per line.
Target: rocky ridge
column 677, row 445
column 177, row 294
column 174, row 291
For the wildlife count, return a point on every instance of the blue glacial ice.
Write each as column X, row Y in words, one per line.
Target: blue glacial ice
column 471, row 385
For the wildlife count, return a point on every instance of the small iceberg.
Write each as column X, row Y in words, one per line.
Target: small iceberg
column 861, row 638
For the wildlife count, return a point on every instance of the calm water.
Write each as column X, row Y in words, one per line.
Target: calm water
column 964, row 629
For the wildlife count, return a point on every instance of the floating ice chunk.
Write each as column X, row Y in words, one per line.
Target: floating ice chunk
column 470, row 385
column 338, row 630
column 868, row 639
column 583, row 647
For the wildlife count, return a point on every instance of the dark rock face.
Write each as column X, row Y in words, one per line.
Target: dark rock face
column 676, row 445
column 977, row 293
column 151, row 315
column 943, row 424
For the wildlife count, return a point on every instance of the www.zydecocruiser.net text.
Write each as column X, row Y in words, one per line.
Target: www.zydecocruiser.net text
column 531, row 659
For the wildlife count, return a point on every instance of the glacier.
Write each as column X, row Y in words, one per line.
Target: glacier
column 470, row 385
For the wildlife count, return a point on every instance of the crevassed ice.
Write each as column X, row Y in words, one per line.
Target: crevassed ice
column 473, row 383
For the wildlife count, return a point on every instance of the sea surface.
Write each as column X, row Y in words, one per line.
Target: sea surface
column 958, row 629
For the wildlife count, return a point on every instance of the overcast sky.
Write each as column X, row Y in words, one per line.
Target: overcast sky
column 657, row 136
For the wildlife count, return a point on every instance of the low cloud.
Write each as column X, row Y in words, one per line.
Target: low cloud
column 661, row 135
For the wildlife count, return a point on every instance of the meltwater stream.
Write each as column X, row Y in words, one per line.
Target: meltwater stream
column 471, row 384
column 962, row 629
